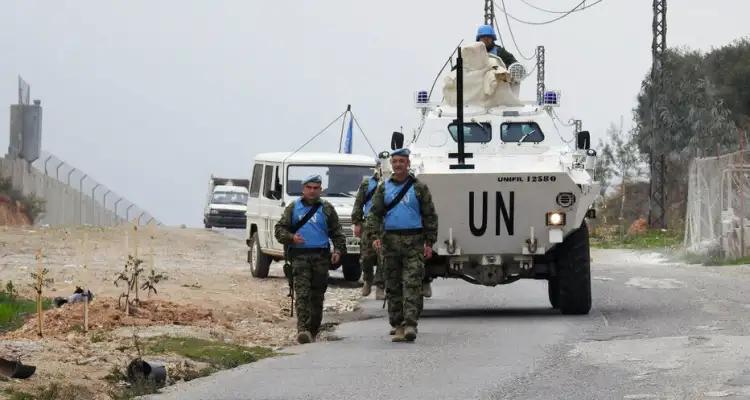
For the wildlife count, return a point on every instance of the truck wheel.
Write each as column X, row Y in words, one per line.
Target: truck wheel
column 574, row 273
column 553, row 289
column 352, row 270
column 259, row 263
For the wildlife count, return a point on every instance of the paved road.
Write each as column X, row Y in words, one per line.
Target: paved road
column 657, row 331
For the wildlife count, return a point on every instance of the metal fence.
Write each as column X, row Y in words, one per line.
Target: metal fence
column 718, row 209
column 71, row 196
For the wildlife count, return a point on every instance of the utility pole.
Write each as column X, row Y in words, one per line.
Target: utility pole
column 658, row 196
column 489, row 12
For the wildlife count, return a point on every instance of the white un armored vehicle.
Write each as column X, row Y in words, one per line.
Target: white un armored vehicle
column 512, row 199
column 276, row 180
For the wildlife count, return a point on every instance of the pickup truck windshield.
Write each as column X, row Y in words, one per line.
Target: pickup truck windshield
column 229, row 198
column 338, row 180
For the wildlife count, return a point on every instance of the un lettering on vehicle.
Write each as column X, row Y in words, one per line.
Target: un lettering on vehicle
column 504, row 212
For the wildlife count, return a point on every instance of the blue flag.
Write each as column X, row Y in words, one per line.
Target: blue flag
column 348, row 140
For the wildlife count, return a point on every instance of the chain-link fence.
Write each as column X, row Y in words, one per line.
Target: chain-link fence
column 71, row 196
column 718, row 208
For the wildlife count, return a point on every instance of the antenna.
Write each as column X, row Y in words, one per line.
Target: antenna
column 461, row 155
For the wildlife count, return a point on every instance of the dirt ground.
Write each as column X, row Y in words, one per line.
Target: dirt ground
column 209, row 293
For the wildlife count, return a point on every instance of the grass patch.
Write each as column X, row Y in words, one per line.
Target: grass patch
column 14, row 394
column 14, row 309
column 52, row 391
column 217, row 354
column 654, row 239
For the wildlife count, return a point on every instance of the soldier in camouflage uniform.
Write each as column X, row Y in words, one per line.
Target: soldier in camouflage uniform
column 310, row 253
column 406, row 229
column 368, row 256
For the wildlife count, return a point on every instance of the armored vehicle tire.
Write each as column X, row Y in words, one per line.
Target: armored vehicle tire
column 351, row 269
column 259, row 263
column 553, row 289
column 574, row 273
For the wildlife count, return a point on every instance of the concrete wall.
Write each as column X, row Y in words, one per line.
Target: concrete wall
column 64, row 204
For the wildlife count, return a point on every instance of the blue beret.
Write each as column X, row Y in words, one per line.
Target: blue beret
column 401, row 152
column 312, row 179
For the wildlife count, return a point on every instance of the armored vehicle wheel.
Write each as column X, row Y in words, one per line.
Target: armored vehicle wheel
column 574, row 273
column 259, row 263
column 553, row 289
column 352, row 270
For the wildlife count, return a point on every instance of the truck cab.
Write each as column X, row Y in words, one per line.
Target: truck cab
column 276, row 181
column 226, row 203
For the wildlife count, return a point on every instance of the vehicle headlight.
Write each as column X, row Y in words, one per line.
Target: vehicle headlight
column 555, row 219
column 214, row 212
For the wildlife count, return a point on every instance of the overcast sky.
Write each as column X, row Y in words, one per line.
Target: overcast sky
column 151, row 97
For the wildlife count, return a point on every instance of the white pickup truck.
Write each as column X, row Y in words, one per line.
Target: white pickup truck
column 276, row 181
column 226, row 203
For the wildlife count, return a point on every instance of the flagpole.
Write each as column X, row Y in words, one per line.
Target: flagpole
column 343, row 124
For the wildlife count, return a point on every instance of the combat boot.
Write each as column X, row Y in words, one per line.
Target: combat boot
column 410, row 333
column 304, row 337
column 366, row 289
column 379, row 293
column 398, row 336
column 427, row 289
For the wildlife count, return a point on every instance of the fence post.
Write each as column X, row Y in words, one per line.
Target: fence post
column 116, row 216
column 93, row 203
column 104, row 205
column 57, row 171
column 69, row 174
column 127, row 213
column 45, row 165
column 80, row 196
column 742, row 192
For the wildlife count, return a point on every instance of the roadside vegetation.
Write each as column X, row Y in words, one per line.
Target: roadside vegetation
column 207, row 356
column 651, row 239
column 30, row 205
column 15, row 309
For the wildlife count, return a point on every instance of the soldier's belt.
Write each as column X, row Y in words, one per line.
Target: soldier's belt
column 308, row 251
column 405, row 232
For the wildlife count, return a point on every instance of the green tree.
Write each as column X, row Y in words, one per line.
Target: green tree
column 621, row 158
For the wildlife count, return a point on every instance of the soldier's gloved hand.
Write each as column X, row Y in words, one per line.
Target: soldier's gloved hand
column 427, row 251
column 377, row 244
column 358, row 230
column 335, row 258
column 298, row 239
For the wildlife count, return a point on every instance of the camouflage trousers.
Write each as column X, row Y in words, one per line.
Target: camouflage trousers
column 369, row 258
column 310, row 284
column 403, row 257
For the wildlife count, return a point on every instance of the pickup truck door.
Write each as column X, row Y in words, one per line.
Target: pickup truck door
column 271, row 206
column 253, row 200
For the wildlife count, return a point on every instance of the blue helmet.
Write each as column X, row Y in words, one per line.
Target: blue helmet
column 486, row 30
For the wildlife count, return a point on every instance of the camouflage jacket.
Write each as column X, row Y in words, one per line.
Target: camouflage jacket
column 377, row 213
column 283, row 233
column 358, row 215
